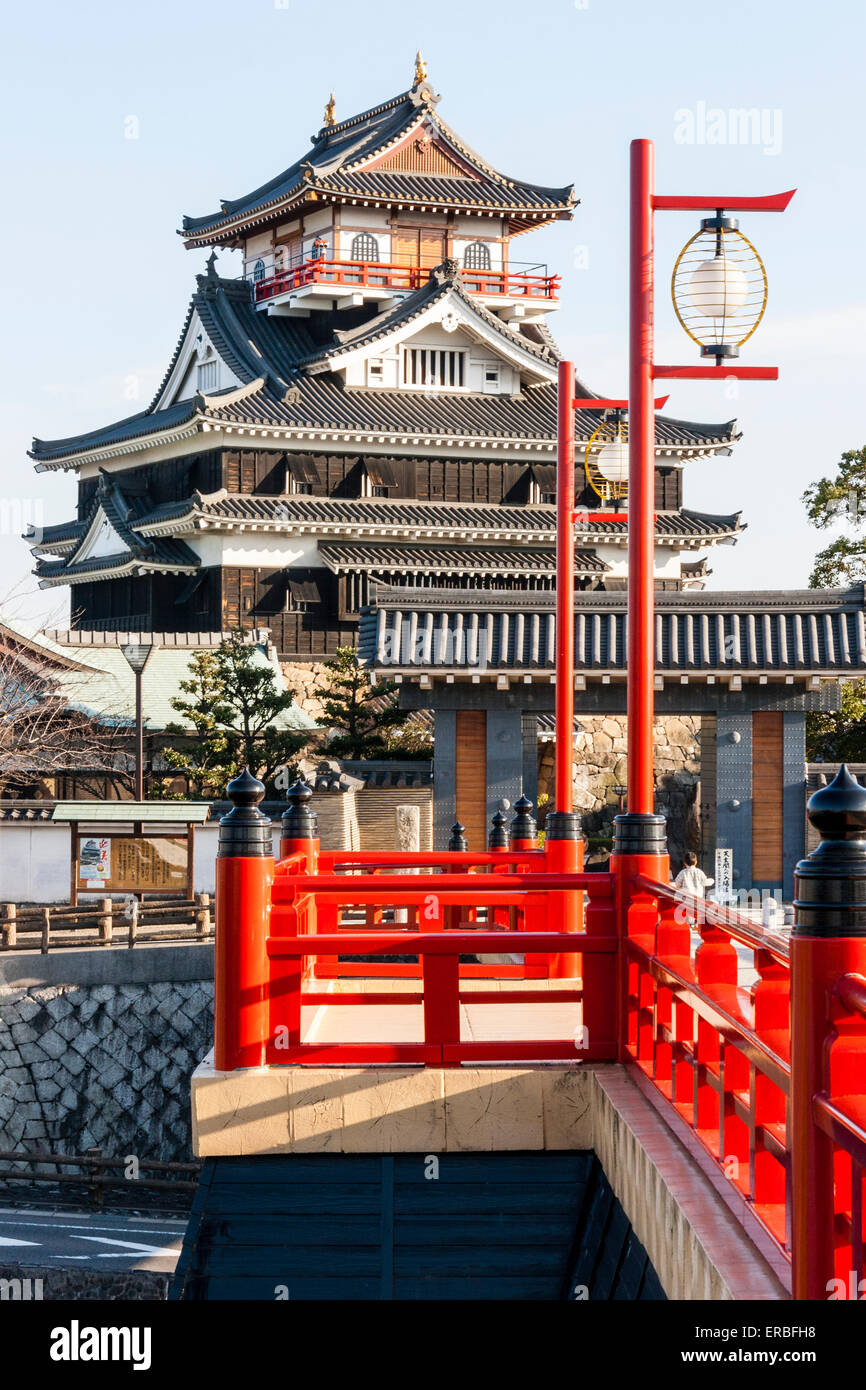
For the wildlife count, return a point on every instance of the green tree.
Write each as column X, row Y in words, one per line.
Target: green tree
column 233, row 704
column 360, row 714
column 831, row 501
column 840, row 735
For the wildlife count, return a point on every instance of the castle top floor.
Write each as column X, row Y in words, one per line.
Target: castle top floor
column 379, row 201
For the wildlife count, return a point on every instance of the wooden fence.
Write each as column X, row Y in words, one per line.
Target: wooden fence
column 106, row 923
column 98, row 1176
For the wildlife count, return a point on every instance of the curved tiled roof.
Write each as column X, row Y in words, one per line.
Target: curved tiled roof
column 168, row 553
column 133, row 427
column 272, row 350
column 390, row 185
column 813, row 630
column 481, row 520
column 445, row 559
column 122, row 512
column 445, row 281
column 338, row 162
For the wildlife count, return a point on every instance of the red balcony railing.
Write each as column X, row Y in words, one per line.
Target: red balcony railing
column 507, row 284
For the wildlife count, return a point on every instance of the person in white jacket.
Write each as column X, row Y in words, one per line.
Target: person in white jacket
column 691, row 879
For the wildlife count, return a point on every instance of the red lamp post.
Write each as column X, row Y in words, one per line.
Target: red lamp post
column 718, row 290
column 641, row 405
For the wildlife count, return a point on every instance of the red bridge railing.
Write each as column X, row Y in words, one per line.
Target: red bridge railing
column 752, row 1045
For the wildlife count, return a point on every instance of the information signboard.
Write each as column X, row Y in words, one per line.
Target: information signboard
column 133, row 863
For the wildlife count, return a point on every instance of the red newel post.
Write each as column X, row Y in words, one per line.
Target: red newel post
column 563, row 850
column 828, row 940
column 244, row 876
column 299, row 827
column 639, row 847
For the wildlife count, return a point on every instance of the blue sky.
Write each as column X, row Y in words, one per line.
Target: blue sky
column 226, row 93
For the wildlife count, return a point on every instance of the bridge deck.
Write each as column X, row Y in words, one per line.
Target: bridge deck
column 505, row 1022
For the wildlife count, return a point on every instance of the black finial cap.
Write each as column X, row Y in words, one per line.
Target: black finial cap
column 299, row 820
column 458, row 842
column 245, row 832
column 830, row 884
column 245, row 789
column 498, row 837
column 523, row 827
column 838, row 811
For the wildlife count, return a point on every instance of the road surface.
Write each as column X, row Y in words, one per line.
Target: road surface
column 94, row 1240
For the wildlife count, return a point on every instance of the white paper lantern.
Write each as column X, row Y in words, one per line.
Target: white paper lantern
column 718, row 288
column 612, row 461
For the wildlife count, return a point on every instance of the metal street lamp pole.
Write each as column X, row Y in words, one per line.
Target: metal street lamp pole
column 137, row 655
column 139, row 737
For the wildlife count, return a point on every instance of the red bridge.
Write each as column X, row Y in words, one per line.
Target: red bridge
column 746, row 1049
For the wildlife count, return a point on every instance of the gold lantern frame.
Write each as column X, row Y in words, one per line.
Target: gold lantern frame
column 611, row 429
column 719, row 337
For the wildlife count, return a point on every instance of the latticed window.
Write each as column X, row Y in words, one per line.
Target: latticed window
column 434, row 367
column 259, row 271
column 365, row 247
column 477, row 256
column 207, row 375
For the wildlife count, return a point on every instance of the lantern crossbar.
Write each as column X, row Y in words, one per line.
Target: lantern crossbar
column 767, row 202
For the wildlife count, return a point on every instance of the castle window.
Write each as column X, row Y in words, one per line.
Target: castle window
column 379, row 479
column 259, row 271
column 491, row 377
column 477, row 256
column 302, row 595
column 436, row 368
column 365, row 247
column 301, row 475
column 375, row 372
column 542, row 484
column 207, row 375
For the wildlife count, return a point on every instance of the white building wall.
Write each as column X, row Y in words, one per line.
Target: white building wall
column 666, row 561
column 255, row 549
column 35, row 862
column 481, row 358
column 35, row 865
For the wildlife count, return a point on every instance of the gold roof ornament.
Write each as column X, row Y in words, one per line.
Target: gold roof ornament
column 331, row 112
column 420, row 70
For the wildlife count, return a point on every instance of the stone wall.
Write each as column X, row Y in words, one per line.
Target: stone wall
column 303, row 677
column 105, row 1065
column 25, row 1283
column 600, row 748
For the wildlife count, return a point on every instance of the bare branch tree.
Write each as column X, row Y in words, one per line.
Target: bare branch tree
column 47, row 728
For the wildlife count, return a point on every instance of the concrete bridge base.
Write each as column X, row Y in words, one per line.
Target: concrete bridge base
column 700, row 1238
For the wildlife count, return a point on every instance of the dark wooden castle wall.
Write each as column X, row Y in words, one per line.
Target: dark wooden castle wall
column 309, row 612
column 300, row 606
column 171, row 481
column 262, row 472
column 150, row 602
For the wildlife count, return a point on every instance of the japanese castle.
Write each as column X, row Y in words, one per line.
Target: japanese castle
column 370, row 399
